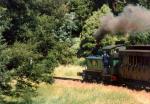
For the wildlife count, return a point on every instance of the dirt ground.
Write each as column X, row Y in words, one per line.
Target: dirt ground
column 141, row 96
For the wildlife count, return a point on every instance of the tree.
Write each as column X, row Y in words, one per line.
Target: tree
column 145, row 3
column 139, row 38
column 4, row 75
column 81, row 9
column 91, row 25
column 32, row 49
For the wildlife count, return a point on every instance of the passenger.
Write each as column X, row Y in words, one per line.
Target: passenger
column 105, row 58
column 115, row 53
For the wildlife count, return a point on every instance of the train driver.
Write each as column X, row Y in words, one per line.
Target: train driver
column 105, row 58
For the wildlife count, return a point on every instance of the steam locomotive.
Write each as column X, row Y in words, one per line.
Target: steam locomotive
column 127, row 64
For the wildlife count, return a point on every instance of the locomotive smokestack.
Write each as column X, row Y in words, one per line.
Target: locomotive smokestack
column 132, row 19
column 100, row 34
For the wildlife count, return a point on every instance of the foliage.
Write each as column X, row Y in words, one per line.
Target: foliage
column 69, row 55
column 65, row 35
column 91, row 25
column 32, row 49
column 82, row 9
column 4, row 75
column 109, row 39
column 145, row 3
column 37, row 35
column 93, row 22
column 119, row 7
column 139, row 38
column 85, row 47
column 65, row 31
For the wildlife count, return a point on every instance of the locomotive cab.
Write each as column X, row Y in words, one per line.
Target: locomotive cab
column 114, row 61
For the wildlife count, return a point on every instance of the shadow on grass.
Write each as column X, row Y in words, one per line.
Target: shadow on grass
column 24, row 100
column 131, row 85
column 2, row 101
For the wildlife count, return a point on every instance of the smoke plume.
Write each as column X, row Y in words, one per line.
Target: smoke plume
column 132, row 19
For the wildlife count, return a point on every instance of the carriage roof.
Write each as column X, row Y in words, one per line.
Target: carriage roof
column 110, row 47
column 138, row 47
column 135, row 52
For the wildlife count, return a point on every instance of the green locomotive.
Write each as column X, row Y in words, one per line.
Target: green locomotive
column 95, row 68
column 126, row 64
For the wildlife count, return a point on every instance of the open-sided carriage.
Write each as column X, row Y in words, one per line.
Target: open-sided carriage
column 135, row 64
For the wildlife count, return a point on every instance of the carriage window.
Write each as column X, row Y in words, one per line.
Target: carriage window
column 126, row 60
column 131, row 60
column 135, row 60
column 142, row 61
column 139, row 60
column 146, row 60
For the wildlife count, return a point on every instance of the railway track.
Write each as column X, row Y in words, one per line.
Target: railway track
column 80, row 80
column 67, row 78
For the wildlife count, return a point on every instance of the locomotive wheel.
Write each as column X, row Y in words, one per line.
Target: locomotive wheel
column 92, row 76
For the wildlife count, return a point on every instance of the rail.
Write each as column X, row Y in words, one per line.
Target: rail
column 67, row 78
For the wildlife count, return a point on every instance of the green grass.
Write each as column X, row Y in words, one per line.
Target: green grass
column 65, row 94
column 68, row 71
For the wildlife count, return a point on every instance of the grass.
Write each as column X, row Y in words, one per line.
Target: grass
column 68, row 71
column 78, row 93
column 71, row 93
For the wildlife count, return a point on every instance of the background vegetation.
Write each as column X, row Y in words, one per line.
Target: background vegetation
column 38, row 35
column 68, row 71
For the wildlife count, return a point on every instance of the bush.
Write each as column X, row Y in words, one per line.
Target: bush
column 23, row 63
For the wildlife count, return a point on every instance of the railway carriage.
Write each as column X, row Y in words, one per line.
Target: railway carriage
column 135, row 64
